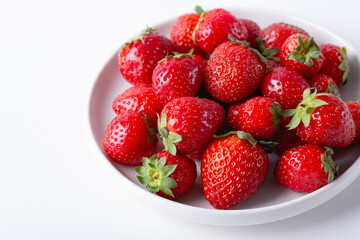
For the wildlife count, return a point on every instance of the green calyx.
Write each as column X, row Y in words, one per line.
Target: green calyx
column 344, row 66
column 169, row 138
column 302, row 113
column 140, row 36
column 268, row 53
column 202, row 13
column 240, row 134
column 247, row 44
column 178, row 55
column 155, row 175
column 329, row 166
column 306, row 51
column 276, row 112
column 333, row 90
column 151, row 132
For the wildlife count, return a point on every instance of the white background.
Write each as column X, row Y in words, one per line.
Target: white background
column 53, row 183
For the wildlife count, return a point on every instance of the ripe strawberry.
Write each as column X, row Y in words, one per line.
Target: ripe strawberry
column 214, row 27
column 128, row 138
column 354, row 108
column 166, row 175
column 302, row 54
column 233, row 167
column 336, row 63
column 182, row 34
column 188, row 124
column 285, row 86
column 305, row 168
column 253, row 30
column 138, row 58
column 285, row 138
column 139, row 98
column 258, row 116
column 324, row 84
column 272, row 38
column 234, row 71
column 176, row 76
column 322, row 119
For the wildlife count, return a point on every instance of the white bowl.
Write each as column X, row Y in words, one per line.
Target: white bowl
column 272, row 202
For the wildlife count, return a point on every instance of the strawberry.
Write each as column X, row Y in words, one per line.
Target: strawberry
column 272, row 38
column 322, row 119
column 324, row 83
column 176, row 76
column 285, row 138
column 139, row 98
column 302, row 54
column 181, row 35
column 336, row 63
column 234, row 71
column 305, row 168
column 187, row 124
column 137, row 59
column 258, row 116
column 272, row 64
column 233, row 167
column 253, row 30
column 214, row 27
column 233, row 114
column 285, row 86
column 166, row 175
column 354, row 108
column 128, row 138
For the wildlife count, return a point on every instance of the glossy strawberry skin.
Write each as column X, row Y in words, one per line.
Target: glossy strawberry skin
column 254, row 117
column 126, row 139
column 195, row 119
column 290, row 44
column 324, row 83
column 285, row 86
column 354, row 108
column 137, row 60
column 253, row 30
column 285, row 138
column 139, row 98
column 301, row 169
column 182, row 31
column 233, row 72
column 215, row 27
column 232, row 170
column 176, row 77
column 333, row 59
column 330, row 125
column 185, row 174
column 275, row 34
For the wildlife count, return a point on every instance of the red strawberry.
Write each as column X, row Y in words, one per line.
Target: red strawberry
column 258, row 116
column 195, row 156
column 176, row 76
column 138, row 58
column 253, row 30
column 285, row 138
column 285, row 86
column 128, row 138
column 234, row 71
column 233, row 114
column 139, row 98
column 305, row 168
column 214, row 27
column 302, row 54
column 232, row 169
column 354, row 108
column 182, row 34
column 166, row 175
column 322, row 119
column 272, row 38
column 336, row 63
column 324, row 83
column 188, row 124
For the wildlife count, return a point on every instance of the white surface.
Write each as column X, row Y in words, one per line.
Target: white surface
column 53, row 183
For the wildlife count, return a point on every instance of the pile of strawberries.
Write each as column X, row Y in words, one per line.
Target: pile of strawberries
column 224, row 93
